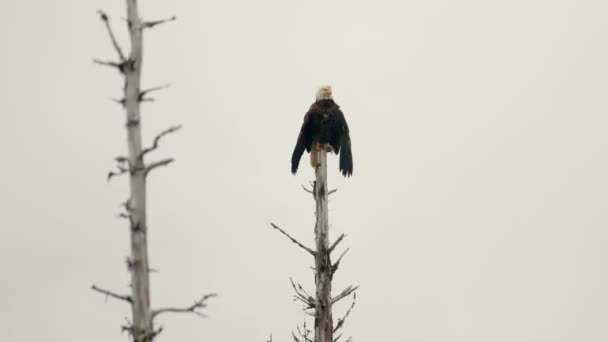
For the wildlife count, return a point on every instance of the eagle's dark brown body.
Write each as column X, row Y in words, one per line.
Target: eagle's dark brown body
column 324, row 125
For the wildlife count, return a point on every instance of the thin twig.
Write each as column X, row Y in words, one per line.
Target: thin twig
column 154, row 165
column 313, row 253
column 152, row 23
column 301, row 289
column 127, row 215
column 334, row 267
column 124, row 216
column 106, row 21
column 121, row 171
column 125, row 298
column 332, row 191
column 149, row 90
column 107, row 63
column 304, row 333
column 350, row 289
column 121, row 102
column 343, row 319
column 302, row 295
column 199, row 304
column 335, row 244
column 157, row 140
column 127, row 327
column 307, row 190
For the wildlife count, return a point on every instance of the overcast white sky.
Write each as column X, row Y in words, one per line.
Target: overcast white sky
column 477, row 210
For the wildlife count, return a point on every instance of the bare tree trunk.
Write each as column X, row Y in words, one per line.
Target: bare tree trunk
column 323, row 269
column 142, row 326
column 323, row 302
column 140, row 277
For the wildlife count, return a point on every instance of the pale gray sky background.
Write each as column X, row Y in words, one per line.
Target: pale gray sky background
column 478, row 207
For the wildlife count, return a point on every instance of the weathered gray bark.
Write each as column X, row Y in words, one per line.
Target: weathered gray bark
column 142, row 324
column 323, row 269
column 322, row 302
column 141, row 327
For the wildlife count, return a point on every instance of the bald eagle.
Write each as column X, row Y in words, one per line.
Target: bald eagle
column 324, row 127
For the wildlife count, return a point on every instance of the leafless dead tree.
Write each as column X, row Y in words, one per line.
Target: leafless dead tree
column 320, row 306
column 141, row 326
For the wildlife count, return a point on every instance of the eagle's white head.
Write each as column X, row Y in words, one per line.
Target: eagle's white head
column 324, row 93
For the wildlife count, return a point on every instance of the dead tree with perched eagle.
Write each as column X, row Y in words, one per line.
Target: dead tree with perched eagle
column 137, row 168
column 324, row 130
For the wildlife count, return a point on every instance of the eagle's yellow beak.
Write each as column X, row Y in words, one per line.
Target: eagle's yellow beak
column 328, row 91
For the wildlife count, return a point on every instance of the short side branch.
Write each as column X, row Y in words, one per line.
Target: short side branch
column 334, row 267
column 347, row 291
column 154, row 165
column 313, row 253
column 303, row 296
column 125, row 298
column 107, row 63
column 199, row 304
column 145, row 92
column 335, row 244
column 106, row 21
column 112, row 174
column 152, row 23
column 157, row 139
column 343, row 319
column 304, row 333
column 307, row 190
column 122, row 164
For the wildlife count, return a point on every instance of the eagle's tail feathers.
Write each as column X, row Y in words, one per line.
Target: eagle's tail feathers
column 297, row 154
column 346, row 157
